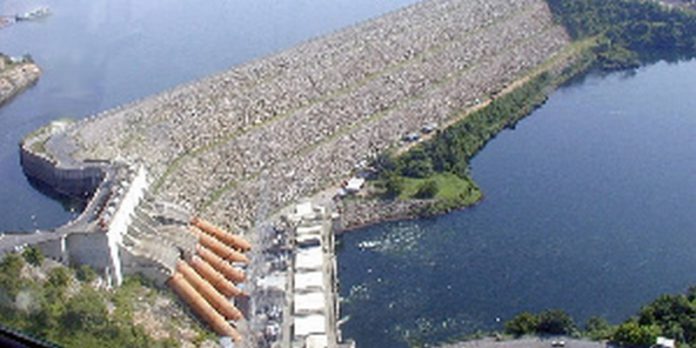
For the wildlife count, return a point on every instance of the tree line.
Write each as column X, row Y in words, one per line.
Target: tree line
column 627, row 32
column 630, row 32
column 671, row 316
column 65, row 310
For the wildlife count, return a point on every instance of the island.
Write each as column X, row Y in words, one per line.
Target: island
column 16, row 75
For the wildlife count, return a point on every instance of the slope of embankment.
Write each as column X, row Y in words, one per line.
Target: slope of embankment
column 433, row 176
column 268, row 132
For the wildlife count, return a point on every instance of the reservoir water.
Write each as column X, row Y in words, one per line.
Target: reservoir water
column 99, row 54
column 590, row 207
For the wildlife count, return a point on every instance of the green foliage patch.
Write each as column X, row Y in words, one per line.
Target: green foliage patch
column 671, row 316
column 70, row 313
column 630, row 32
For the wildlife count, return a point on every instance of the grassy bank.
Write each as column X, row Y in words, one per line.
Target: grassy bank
column 607, row 35
column 438, row 169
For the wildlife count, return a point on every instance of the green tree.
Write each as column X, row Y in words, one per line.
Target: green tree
column 631, row 333
column 59, row 277
column 85, row 273
column 555, row 322
column 416, row 164
column 85, row 311
column 427, row 190
column 10, row 276
column 524, row 323
column 598, row 328
column 674, row 314
column 393, row 185
column 33, row 256
column 385, row 163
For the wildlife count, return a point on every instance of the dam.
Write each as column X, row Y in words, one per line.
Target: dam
column 237, row 147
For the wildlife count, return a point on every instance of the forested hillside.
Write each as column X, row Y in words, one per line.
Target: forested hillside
column 629, row 31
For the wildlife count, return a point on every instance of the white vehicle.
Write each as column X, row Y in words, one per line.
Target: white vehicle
column 559, row 343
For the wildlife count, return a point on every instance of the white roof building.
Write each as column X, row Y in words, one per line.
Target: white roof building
column 309, row 280
column 309, row 258
column 316, row 341
column 310, row 302
column 310, row 324
column 305, row 234
column 304, row 209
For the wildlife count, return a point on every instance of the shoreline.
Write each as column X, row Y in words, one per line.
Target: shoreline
column 407, row 210
column 375, row 210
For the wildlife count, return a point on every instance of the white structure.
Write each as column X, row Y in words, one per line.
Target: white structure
column 354, row 185
column 101, row 248
column 118, row 226
column 310, row 324
column 311, row 258
column 663, row 342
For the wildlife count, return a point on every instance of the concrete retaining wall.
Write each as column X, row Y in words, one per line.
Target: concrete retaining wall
column 54, row 249
column 90, row 248
column 134, row 264
column 77, row 182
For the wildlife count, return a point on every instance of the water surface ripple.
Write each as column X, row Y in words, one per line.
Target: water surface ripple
column 590, row 207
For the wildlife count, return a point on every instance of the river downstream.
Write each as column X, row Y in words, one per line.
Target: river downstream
column 589, row 207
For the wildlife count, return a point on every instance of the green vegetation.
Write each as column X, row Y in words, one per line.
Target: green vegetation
column 671, row 316
column 634, row 335
column 598, row 328
column 608, row 34
column 33, row 256
column 66, row 311
column 629, row 32
column 439, row 168
column 550, row 322
column 427, row 189
column 86, row 274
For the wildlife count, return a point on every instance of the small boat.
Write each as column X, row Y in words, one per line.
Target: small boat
column 6, row 21
column 366, row 245
column 38, row 13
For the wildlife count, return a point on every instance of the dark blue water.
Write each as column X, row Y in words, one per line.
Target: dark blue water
column 590, row 207
column 97, row 54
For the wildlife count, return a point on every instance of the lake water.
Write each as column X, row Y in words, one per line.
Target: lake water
column 97, row 54
column 590, row 207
